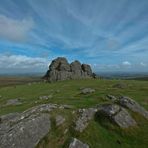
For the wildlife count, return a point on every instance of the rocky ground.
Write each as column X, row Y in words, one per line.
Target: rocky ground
column 48, row 124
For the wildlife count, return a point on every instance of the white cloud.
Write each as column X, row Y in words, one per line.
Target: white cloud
column 22, row 62
column 142, row 64
column 126, row 63
column 15, row 30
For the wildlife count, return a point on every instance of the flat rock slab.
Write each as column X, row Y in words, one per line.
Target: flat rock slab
column 133, row 106
column 75, row 143
column 117, row 114
column 27, row 133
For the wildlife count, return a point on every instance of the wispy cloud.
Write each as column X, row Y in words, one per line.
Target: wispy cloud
column 15, row 30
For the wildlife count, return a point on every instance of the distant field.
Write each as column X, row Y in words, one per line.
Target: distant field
column 12, row 81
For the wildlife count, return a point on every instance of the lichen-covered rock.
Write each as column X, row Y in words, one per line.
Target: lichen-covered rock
column 26, row 133
column 133, row 105
column 116, row 114
column 26, row 129
column 60, row 69
column 75, row 143
column 85, row 115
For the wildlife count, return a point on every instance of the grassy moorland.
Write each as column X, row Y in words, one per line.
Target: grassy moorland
column 98, row 134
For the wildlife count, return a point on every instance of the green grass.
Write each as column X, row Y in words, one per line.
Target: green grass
column 98, row 134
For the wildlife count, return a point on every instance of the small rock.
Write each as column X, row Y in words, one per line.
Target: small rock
column 75, row 143
column 59, row 120
column 13, row 102
column 120, row 85
column 87, row 91
column 45, row 97
column 66, row 130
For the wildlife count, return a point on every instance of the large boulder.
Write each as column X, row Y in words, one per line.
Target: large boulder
column 133, row 105
column 60, row 69
column 116, row 114
column 26, row 133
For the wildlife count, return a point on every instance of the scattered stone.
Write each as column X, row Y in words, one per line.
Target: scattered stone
column 45, row 97
column 117, row 114
column 59, row 120
column 120, row 85
column 111, row 97
column 75, row 143
column 26, row 133
column 87, row 91
column 133, row 105
column 60, row 69
column 13, row 102
column 66, row 107
column 85, row 115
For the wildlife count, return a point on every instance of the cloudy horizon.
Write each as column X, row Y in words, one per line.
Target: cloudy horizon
column 109, row 35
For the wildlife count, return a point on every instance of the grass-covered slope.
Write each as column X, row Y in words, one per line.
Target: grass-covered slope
column 98, row 134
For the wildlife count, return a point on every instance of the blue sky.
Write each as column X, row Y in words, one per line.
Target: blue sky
column 110, row 35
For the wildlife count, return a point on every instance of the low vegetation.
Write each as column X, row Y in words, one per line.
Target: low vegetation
column 98, row 133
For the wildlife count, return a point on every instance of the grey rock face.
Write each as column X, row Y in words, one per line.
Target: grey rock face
column 85, row 115
column 133, row 105
column 60, row 70
column 26, row 133
column 87, row 91
column 86, row 68
column 75, row 143
column 117, row 114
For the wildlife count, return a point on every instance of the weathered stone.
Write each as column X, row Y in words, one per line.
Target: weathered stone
column 26, row 133
column 87, row 91
column 59, row 120
column 133, row 105
column 60, row 69
column 75, row 143
column 117, row 114
column 85, row 115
